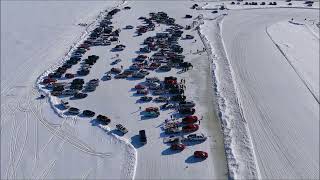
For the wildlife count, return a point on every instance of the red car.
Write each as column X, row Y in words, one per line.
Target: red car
column 48, row 80
column 190, row 119
column 179, row 147
column 150, row 109
column 139, row 86
column 200, row 154
column 190, row 128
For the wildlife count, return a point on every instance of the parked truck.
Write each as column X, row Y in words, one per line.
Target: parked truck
column 143, row 137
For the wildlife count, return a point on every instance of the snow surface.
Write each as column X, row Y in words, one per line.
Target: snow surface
column 35, row 142
column 281, row 113
column 299, row 42
column 266, row 100
column 116, row 99
column 73, row 147
column 242, row 6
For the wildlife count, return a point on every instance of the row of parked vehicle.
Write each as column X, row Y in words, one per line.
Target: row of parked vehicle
column 169, row 90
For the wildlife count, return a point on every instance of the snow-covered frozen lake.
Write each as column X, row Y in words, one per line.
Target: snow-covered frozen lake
column 263, row 88
column 282, row 113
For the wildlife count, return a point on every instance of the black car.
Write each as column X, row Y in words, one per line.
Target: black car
column 77, row 81
column 146, row 98
column 88, row 113
column 80, row 95
column 143, row 137
column 187, row 111
column 103, row 119
column 83, row 72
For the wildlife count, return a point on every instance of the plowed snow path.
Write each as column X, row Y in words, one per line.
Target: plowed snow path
column 282, row 114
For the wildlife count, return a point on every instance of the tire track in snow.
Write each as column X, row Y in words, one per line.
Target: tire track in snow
column 12, row 144
column 292, row 66
column 23, row 147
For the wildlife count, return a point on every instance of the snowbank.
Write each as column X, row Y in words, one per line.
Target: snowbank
column 282, row 114
column 237, row 141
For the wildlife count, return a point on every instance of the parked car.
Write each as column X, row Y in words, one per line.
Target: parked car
column 188, row 36
column 104, row 119
column 88, row 113
column 142, row 91
column 80, row 95
column 143, row 137
column 161, row 99
column 149, row 109
column 178, row 146
column 152, row 114
column 73, row 110
column 200, row 154
column 146, row 98
column 187, row 104
column 187, row 111
column 159, row 92
column 121, row 128
column 116, row 70
column 188, row 16
column 56, row 93
column 129, row 27
column 69, row 75
column 69, row 92
column 172, row 139
column 196, row 137
column 190, row 128
column 119, row 47
column 165, row 68
column 116, row 61
column 121, row 76
column 48, row 80
column 190, row 119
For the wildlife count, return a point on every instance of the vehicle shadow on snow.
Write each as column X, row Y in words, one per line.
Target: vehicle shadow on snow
column 135, row 141
column 60, row 107
column 96, row 122
column 192, row 159
column 116, row 132
column 169, row 151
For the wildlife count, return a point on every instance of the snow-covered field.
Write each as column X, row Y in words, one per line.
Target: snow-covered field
column 35, row 142
column 276, row 99
column 73, row 140
column 299, row 42
column 256, row 86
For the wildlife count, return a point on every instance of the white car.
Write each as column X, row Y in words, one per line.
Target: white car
column 196, row 137
column 172, row 139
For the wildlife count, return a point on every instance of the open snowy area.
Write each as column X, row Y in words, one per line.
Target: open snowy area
column 251, row 77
